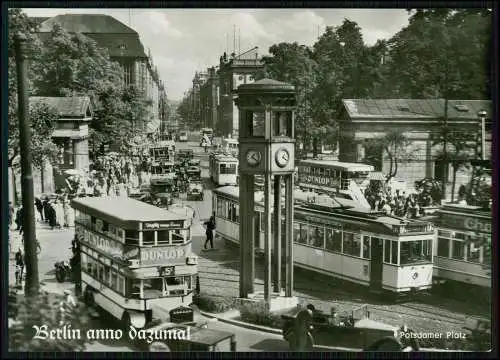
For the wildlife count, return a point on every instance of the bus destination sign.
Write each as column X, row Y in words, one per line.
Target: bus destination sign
column 164, row 225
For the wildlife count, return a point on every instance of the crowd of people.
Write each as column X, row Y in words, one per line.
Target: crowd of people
column 400, row 203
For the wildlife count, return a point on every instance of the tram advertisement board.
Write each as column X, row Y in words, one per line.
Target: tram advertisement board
column 162, row 255
column 466, row 222
column 174, row 224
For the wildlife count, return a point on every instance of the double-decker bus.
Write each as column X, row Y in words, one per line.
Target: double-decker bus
column 163, row 150
column 223, row 169
column 343, row 179
column 136, row 259
column 384, row 253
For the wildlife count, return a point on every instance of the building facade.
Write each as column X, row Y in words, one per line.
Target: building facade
column 366, row 119
column 124, row 47
column 233, row 72
column 200, row 78
column 71, row 135
column 209, row 99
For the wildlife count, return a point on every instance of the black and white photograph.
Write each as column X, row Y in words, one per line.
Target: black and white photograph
column 249, row 179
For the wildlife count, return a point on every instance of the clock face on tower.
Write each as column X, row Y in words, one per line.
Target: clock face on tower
column 254, row 157
column 282, row 157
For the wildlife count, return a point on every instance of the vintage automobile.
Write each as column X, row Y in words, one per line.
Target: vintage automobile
column 188, row 334
column 194, row 162
column 183, row 136
column 195, row 190
column 193, row 172
column 309, row 329
column 164, row 186
column 138, row 193
column 184, row 154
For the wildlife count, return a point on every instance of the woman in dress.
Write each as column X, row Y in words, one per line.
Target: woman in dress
column 58, row 207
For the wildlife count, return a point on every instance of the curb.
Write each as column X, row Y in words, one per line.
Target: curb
column 242, row 324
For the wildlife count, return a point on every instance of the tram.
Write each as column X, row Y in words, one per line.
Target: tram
column 223, row 169
column 462, row 252
column 163, row 151
column 136, row 259
column 381, row 252
column 230, row 146
column 347, row 180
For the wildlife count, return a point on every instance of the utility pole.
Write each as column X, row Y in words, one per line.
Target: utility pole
column 29, row 232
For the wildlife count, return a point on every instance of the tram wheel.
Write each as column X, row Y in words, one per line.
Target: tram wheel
column 126, row 322
column 88, row 297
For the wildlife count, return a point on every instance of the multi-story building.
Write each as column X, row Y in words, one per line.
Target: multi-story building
column 199, row 80
column 418, row 120
column 124, row 46
column 209, row 99
column 233, row 72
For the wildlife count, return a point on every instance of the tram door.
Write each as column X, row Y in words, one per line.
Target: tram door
column 376, row 264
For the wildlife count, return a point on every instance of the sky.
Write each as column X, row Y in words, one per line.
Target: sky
column 183, row 41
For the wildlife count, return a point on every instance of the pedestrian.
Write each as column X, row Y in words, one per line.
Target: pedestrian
column 66, row 307
column 210, row 224
column 58, row 207
column 19, row 258
column 45, row 204
column 19, row 220
column 11, row 214
column 39, row 207
column 51, row 215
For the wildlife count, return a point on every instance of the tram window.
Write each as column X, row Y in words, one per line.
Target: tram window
column 387, row 251
column 219, row 207
column 458, row 252
column 296, row 232
column 148, row 237
column 317, row 236
column 443, row 247
column 89, row 265
column 303, row 233
column 333, row 239
column 351, row 245
column 486, row 249
column 413, row 252
column 236, row 213
column 152, row 288
column 366, row 247
column 394, row 253
column 460, row 236
column 101, row 273
column 177, row 237
column 472, row 252
column 114, row 280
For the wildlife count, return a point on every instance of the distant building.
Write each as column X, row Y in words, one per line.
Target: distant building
column 364, row 119
column 198, row 81
column 233, row 72
column 124, row 46
column 209, row 99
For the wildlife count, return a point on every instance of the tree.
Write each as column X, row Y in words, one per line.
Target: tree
column 460, row 153
column 42, row 118
column 293, row 63
column 397, row 147
column 25, row 314
column 346, row 68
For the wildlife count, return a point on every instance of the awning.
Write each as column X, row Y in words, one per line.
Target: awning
column 377, row 176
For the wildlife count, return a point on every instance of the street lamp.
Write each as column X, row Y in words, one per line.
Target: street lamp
column 482, row 116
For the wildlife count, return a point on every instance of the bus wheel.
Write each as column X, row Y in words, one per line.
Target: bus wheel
column 88, row 297
column 159, row 346
column 126, row 322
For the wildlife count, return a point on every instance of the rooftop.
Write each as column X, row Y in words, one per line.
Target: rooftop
column 74, row 106
column 126, row 209
column 415, row 108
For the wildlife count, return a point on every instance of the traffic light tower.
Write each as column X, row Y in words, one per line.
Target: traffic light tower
column 267, row 148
